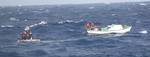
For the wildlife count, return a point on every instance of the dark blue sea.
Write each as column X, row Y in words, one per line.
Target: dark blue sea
column 61, row 30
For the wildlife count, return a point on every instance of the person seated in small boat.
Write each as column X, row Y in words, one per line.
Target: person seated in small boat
column 24, row 35
column 27, row 34
column 91, row 26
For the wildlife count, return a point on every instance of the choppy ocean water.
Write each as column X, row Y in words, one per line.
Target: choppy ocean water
column 62, row 33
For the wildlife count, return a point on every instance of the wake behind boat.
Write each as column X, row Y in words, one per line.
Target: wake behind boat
column 110, row 29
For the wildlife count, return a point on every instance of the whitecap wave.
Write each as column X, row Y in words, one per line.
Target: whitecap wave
column 3, row 26
column 66, row 21
column 91, row 7
column 143, row 32
column 69, row 21
column 113, row 14
column 42, row 22
column 13, row 19
column 25, row 20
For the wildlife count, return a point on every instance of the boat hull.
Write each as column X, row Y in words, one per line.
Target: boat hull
column 109, row 32
column 29, row 40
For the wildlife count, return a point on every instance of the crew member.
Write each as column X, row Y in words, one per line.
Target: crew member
column 27, row 34
column 90, row 26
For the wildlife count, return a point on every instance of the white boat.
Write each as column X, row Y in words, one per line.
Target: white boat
column 29, row 40
column 114, row 28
